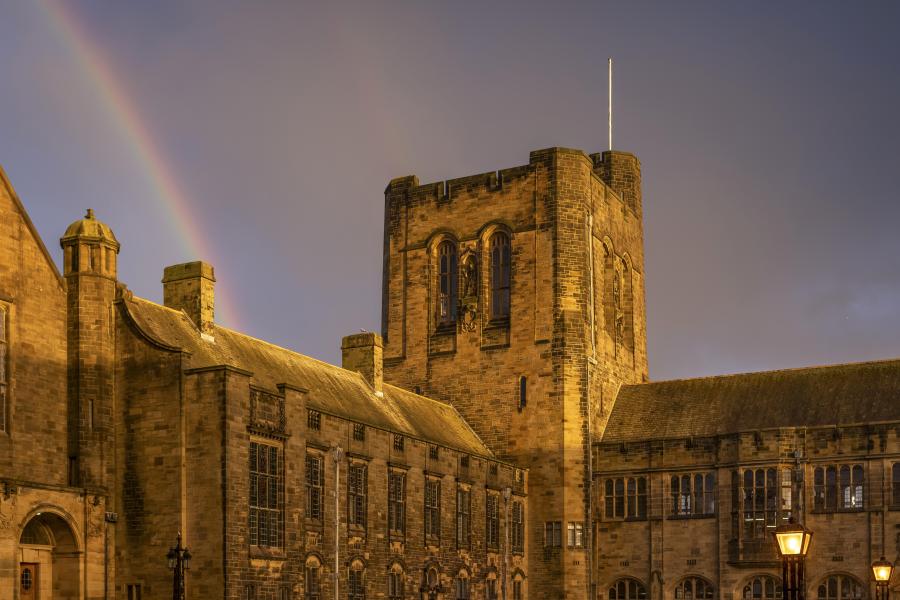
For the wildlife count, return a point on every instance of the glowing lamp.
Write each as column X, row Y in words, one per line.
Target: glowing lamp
column 793, row 539
column 882, row 570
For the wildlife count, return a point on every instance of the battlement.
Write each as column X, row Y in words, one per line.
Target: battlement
column 619, row 171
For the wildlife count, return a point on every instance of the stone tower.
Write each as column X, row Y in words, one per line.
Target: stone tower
column 89, row 267
column 518, row 296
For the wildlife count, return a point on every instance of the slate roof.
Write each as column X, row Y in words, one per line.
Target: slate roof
column 810, row 397
column 332, row 389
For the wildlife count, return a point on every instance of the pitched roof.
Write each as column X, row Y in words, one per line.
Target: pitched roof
column 332, row 389
column 4, row 182
column 810, row 397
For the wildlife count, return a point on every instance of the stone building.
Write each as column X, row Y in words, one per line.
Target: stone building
column 501, row 440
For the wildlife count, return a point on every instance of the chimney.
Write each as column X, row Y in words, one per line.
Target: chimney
column 191, row 287
column 363, row 353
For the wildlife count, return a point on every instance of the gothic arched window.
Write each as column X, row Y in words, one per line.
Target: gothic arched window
column 762, row 587
column 447, row 283
column 356, row 582
column 311, row 588
column 694, row 588
column 627, row 589
column 500, row 275
column 840, row 587
column 461, row 586
column 395, row 583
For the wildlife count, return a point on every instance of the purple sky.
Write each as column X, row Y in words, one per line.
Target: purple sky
column 768, row 134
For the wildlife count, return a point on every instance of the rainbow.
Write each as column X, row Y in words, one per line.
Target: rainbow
column 127, row 119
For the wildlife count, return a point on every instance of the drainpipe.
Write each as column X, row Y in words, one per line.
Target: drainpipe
column 338, row 454
column 506, row 494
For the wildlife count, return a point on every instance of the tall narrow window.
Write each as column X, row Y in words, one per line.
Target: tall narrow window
column 500, row 262
column 397, row 502
column 575, row 535
column 463, row 516
column 4, row 366
column 447, row 283
column 395, row 583
column 461, row 587
column 523, row 392
column 492, row 518
column 315, row 482
column 266, row 488
column 518, row 526
column 552, row 534
column 356, row 582
column 311, row 588
column 356, row 495
column 433, row 509
column 490, row 589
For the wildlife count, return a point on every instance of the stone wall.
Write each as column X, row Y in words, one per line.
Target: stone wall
column 663, row 548
column 574, row 334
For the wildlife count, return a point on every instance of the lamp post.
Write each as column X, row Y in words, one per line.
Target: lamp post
column 179, row 559
column 793, row 544
column 882, row 570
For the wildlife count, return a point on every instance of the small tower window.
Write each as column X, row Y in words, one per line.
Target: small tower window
column 500, row 261
column 447, row 283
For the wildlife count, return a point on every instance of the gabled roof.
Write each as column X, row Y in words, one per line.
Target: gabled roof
column 836, row 395
column 4, row 181
column 332, row 389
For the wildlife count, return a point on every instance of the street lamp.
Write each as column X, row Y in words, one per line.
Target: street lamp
column 179, row 559
column 882, row 570
column 793, row 544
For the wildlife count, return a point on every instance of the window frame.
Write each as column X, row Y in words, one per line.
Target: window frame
column 357, row 496
column 432, row 512
column 709, row 591
column 315, row 489
column 258, row 513
column 396, row 503
column 895, row 486
column 762, row 500
column 517, row 515
column 689, row 495
column 839, row 579
column 631, row 588
column 630, row 494
column 492, row 520
column 463, row 516
column 552, row 534
column 839, row 487
column 447, row 284
column 500, row 284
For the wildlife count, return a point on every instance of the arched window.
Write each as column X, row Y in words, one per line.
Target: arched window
column 840, row 587
column 627, row 589
column 447, row 283
column 356, row 581
column 694, row 588
column 500, row 268
column 395, row 583
column 518, row 586
column 491, row 588
column 461, row 586
column 762, row 587
column 311, row 587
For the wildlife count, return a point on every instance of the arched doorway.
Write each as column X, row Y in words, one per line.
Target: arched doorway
column 48, row 560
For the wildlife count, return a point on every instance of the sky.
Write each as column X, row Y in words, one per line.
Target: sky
column 259, row 136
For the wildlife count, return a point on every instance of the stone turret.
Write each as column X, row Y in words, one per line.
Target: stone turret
column 90, row 257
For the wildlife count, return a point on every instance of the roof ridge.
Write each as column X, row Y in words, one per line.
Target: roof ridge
column 882, row 361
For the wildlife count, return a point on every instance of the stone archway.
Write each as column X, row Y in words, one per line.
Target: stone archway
column 48, row 560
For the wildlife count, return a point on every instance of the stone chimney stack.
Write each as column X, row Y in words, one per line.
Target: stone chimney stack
column 363, row 353
column 191, row 286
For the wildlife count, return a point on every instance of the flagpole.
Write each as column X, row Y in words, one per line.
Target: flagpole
column 610, row 104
